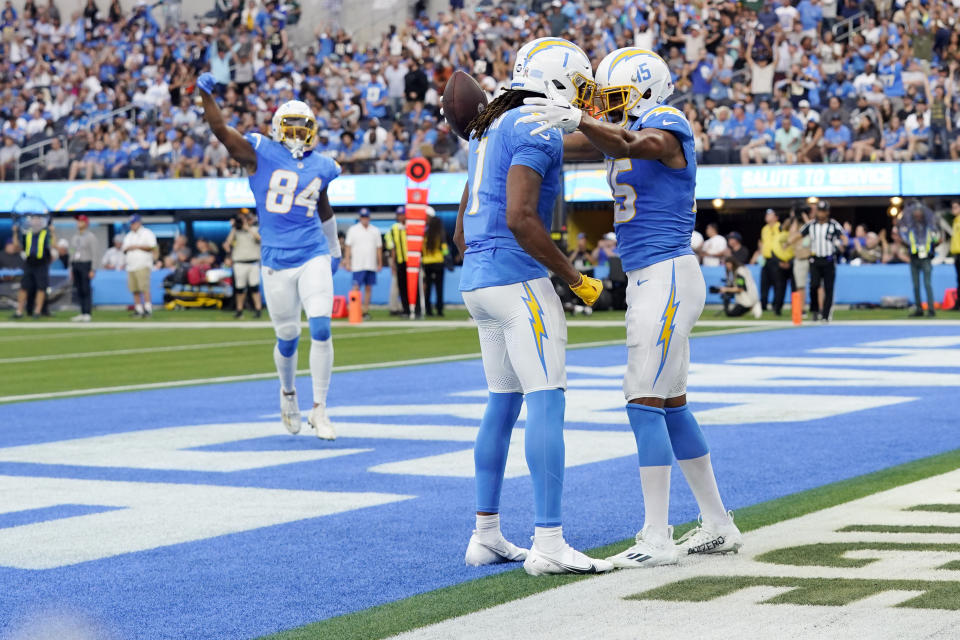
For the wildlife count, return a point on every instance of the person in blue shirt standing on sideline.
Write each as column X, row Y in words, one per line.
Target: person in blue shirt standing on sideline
column 299, row 246
column 502, row 233
column 651, row 169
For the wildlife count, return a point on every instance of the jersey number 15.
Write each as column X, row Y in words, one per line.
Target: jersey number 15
column 283, row 186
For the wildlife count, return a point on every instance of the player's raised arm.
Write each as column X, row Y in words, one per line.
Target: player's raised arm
column 646, row 144
column 240, row 150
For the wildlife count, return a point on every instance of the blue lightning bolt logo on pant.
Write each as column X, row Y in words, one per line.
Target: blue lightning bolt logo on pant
column 669, row 313
column 536, row 322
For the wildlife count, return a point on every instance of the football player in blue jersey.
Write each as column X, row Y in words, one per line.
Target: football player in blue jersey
column 299, row 248
column 502, row 231
column 651, row 169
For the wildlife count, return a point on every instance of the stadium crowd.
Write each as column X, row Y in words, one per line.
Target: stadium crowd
column 761, row 81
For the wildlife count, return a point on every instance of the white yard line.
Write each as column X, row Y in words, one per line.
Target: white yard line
column 266, row 376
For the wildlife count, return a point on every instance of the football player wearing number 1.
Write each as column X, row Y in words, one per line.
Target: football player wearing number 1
column 651, row 168
column 513, row 181
column 299, row 248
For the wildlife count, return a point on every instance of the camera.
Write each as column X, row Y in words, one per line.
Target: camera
column 238, row 222
column 714, row 289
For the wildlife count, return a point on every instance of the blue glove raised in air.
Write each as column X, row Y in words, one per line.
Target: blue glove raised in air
column 334, row 265
column 206, row 82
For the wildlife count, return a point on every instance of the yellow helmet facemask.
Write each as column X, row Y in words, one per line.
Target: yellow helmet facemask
column 613, row 103
column 298, row 129
column 586, row 92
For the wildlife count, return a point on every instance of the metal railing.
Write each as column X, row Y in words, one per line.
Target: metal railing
column 843, row 29
column 41, row 146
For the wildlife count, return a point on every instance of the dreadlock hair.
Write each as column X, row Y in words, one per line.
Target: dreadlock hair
column 509, row 99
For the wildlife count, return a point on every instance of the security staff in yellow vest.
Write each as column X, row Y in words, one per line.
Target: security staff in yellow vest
column 783, row 273
column 395, row 242
column 918, row 229
column 768, row 240
column 37, row 243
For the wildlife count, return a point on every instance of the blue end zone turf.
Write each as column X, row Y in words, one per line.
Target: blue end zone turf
column 267, row 578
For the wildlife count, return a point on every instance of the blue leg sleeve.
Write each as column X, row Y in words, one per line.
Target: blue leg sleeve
column 320, row 328
column 650, row 429
column 545, row 453
column 490, row 450
column 287, row 347
column 685, row 434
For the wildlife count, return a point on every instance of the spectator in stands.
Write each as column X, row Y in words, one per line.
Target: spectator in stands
column 761, row 147
column 363, row 258
column 836, row 140
column 55, row 161
column 895, row 141
column 714, row 247
column 84, row 248
column 917, row 126
column 866, row 141
column 811, row 143
column 215, row 158
column 787, row 141
column 114, row 258
column 919, row 231
column 741, row 289
column 868, row 250
column 9, row 156
column 139, row 245
column 940, row 122
column 191, row 156
column 435, row 253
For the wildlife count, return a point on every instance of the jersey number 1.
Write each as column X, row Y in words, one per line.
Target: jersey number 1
column 283, row 186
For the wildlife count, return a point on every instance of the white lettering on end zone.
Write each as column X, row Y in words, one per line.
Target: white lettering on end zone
column 148, row 515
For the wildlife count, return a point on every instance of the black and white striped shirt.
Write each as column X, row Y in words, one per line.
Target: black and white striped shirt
column 824, row 237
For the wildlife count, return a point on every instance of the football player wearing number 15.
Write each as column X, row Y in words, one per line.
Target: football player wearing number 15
column 299, row 248
column 651, row 169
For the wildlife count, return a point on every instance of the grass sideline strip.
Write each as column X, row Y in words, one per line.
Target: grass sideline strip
column 468, row 597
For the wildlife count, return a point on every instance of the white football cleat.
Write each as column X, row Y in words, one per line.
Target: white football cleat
column 321, row 424
column 290, row 411
column 647, row 553
column 709, row 538
column 567, row 560
column 481, row 552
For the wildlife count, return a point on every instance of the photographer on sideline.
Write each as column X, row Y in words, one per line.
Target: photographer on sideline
column 740, row 288
column 918, row 229
column 243, row 245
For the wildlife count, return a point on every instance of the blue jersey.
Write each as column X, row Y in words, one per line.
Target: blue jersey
column 891, row 75
column 654, row 208
column 493, row 257
column 286, row 192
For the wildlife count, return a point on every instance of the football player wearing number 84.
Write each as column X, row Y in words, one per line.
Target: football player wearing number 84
column 299, row 247
column 651, row 169
column 502, row 232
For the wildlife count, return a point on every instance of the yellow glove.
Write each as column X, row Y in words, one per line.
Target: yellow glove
column 587, row 289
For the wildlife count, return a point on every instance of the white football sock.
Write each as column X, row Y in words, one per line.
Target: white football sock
column 548, row 539
column 703, row 483
column 138, row 308
column 321, row 366
column 286, row 368
column 148, row 307
column 488, row 527
column 655, row 484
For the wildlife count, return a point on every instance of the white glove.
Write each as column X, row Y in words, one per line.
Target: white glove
column 554, row 111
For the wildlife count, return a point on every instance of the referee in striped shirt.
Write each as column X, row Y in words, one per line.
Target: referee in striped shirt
column 826, row 241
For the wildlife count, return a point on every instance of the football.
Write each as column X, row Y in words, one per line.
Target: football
column 463, row 99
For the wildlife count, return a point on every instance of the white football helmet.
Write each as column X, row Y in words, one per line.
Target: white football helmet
column 295, row 127
column 629, row 82
column 557, row 62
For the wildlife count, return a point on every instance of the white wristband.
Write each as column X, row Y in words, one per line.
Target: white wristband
column 330, row 230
